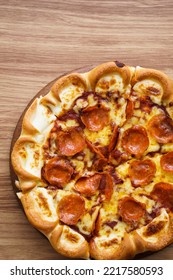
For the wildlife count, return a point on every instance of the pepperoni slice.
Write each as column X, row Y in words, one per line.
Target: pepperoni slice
column 135, row 140
column 131, row 210
column 163, row 192
column 161, row 128
column 95, row 118
column 58, row 171
column 71, row 208
column 70, row 142
column 141, row 172
column 106, row 186
column 94, row 149
column 113, row 139
column 88, row 185
column 166, row 162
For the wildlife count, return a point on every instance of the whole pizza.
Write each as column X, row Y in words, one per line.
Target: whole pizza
column 94, row 162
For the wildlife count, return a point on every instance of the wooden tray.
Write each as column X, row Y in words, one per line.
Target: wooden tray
column 166, row 252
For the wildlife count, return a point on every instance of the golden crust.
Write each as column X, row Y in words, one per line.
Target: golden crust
column 163, row 79
column 65, row 240
column 127, row 249
column 69, row 243
column 49, row 99
column 38, row 212
column 27, row 126
column 160, row 236
column 27, row 180
column 108, row 68
column 157, row 240
column 18, row 151
column 74, row 79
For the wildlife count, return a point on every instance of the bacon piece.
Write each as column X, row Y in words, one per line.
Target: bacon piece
column 70, row 115
column 163, row 192
column 166, row 162
column 88, row 185
column 153, row 90
column 99, row 163
column 70, row 142
column 71, row 208
column 161, row 128
column 129, row 109
column 135, row 140
column 112, row 171
column 106, row 186
column 131, row 210
column 57, row 171
column 94, row 149
column 95, row 118
column 141, row 172
column 146, row 104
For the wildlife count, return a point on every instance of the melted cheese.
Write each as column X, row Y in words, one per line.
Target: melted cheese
column 69, row 94
column 155, row 237
column 109, row 82
column 101, row 137
column 42, row 117
column 44, row 203
column 142, row 88
column 86, row 224
column 31, row 158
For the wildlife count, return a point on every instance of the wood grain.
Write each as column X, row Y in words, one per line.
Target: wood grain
column 41, row 40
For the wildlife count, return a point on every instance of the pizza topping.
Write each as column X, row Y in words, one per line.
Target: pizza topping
column 131, row 210
column 99, row 163
column 141, row 172
column 111, row 170
column 95, row 118
column 153, row 90
column 163, row 192
column 161, row 128
column 70, row 142
column 70, row 115
column 106, row 186
column 166, row 162
column 111, row 224
column 57, row 171
column 88, row 185
column 114, row 138
column 129, row 109
column 135, row 140
column 154, row 228
column 95, row 149
column 146, row 104
column 71, row 208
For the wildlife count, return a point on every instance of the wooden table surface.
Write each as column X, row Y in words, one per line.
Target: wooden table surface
column 40, row 40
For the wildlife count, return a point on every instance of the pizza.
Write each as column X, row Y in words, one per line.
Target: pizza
column 94, row 162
